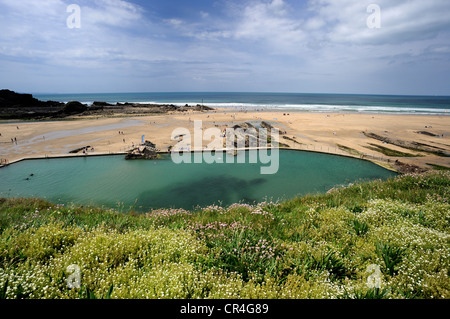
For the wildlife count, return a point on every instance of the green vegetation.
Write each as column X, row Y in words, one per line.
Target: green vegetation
column 439, row 167
column 320, row 246
column 349, row 150
column 389, row 152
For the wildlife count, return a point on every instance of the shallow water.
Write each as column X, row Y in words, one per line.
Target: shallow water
column 114, row 182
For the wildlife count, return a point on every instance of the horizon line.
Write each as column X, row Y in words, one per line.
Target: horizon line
column 235, row 92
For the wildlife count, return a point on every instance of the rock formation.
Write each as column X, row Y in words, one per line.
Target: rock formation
column 146, row 151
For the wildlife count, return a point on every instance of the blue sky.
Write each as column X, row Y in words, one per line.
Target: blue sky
column 315, row 46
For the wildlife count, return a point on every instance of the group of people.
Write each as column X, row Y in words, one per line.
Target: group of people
column 13, row 140
column 86, row 150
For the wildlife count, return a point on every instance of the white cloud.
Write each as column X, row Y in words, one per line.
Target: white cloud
column 111, row 12
column 402, row 21
column 267, row 21
column 265, row 41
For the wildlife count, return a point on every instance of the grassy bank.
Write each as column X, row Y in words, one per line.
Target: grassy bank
column 343, row 244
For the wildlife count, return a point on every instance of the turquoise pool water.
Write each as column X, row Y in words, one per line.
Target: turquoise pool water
column 114, row 182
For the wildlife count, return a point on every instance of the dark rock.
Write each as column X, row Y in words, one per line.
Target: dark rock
column 24, row 106
column 101, row 104
column 149, row 144
column 79, row 150
column 427, row 133
column 148, row 153
column 405, row 168
column 11, row 99
column 412, row 145
column 75, row 107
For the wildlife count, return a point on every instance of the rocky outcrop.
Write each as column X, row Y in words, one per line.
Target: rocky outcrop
column 405, row 168
column 415, row 146
column 146, row 151
column 253, row 135
column 427, row 133
column 10, row 99
column 78, row 150
column 74, row 107
column 145, row 154
column 23, row 106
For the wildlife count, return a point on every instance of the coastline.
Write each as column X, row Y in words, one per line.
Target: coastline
column 336, row 133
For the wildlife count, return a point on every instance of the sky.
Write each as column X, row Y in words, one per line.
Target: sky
column 298, row 46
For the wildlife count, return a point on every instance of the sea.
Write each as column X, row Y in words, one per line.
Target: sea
column 291, row 102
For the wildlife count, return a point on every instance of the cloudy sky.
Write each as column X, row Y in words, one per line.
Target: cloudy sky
column 315, row 46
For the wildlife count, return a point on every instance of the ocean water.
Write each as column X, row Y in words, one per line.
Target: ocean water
column 115, row 182
column 439, row 105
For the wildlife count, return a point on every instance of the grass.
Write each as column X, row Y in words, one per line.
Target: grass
column 439, row 167
column 392, row 256
column 311, row 247
column 389, row 152
column 349, row 150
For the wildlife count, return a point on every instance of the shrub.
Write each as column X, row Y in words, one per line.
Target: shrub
column 391, row 256
column 360, row 228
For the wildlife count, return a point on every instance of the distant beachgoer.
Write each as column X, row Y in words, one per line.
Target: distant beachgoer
column 124, row 140
column 17, row 127
column 12, row 140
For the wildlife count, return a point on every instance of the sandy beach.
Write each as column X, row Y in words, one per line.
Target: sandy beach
column 335, row 133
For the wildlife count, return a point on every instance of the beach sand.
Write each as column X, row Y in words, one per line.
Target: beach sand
column 335, row 133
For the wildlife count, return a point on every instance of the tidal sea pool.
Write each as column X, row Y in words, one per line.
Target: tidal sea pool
column 141, row 185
